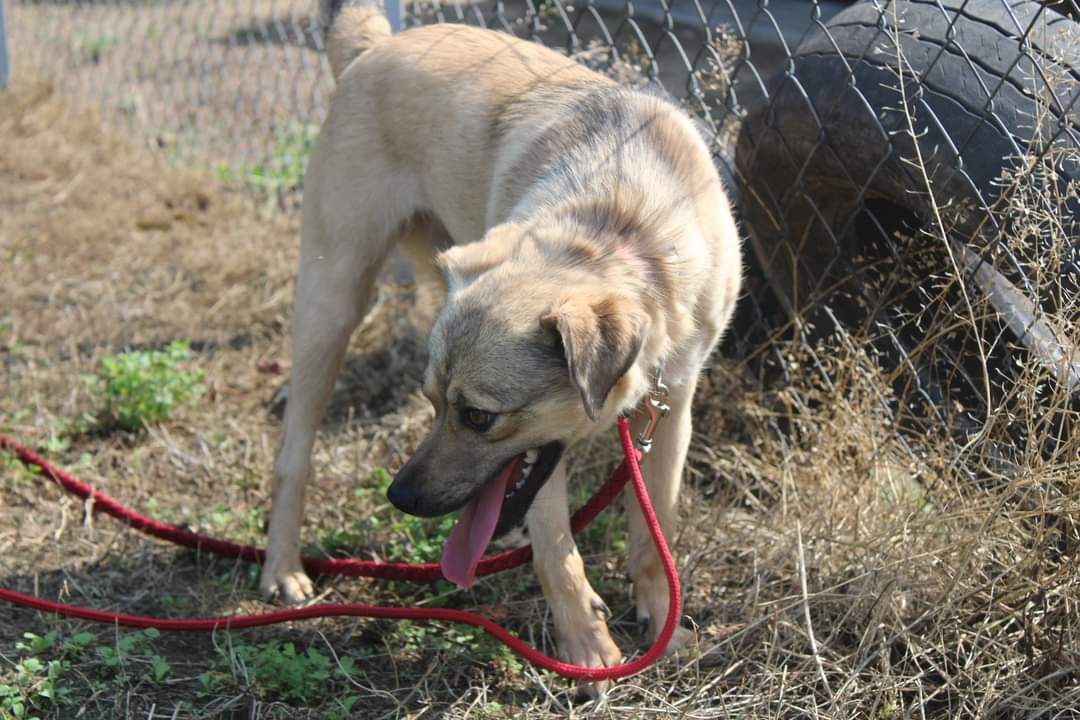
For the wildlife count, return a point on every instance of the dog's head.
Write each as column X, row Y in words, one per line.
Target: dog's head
column 525, row 357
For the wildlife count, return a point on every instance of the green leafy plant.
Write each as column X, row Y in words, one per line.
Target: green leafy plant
column 411, row 538
column 419, row 637
column 142, row 387
column 159, row 668
column 608, row 531
column 406, row 537
column 283, row 170
column 115, row 658
column 77, row 644
column 73, row 646
column 295, row 676
column 342, row 708
column 91, row 47
column 37, row 644
column 34, row 686
column 9, row 341
column 212, row 681
column 415, row 540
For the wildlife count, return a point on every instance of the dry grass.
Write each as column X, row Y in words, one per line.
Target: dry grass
column 179, row 75
column 230, row 86
column 836, row 564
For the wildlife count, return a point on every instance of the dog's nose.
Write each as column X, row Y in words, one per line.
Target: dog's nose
column 404, row 497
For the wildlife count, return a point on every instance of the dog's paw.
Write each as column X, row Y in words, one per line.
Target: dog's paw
column 681, row 639
column 285, row 582
column 651, row 593
column 588, row 643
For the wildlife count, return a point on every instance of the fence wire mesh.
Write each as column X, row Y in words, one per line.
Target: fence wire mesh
column 907, row 171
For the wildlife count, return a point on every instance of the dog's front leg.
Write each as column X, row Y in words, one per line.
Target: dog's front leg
column 663, row 470
column 329, row 304
column 580, row 615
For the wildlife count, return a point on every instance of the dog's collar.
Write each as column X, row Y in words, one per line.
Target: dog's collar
column 656, row 407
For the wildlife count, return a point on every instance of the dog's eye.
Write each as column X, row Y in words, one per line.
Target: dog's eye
column 478, row 420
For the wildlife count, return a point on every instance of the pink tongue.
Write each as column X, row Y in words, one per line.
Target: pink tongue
column 471, row 535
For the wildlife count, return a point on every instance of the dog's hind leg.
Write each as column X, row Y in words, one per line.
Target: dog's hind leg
column 421, row 242
column 334, row 288
column 579, row 614
column 663, row 471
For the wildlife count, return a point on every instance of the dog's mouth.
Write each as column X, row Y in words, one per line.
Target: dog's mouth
column 500, row 506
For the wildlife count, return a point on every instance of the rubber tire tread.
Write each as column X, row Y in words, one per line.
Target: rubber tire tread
column 988, row 52
column 783, row 146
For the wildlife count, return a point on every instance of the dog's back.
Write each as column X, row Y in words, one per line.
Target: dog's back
column 479, row 115
column 474, row 124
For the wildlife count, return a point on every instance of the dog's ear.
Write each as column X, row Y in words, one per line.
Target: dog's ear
column 462, row 264
column 601, row 339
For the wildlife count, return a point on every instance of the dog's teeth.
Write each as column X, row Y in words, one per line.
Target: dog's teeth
column 525, row 471
column 520, row 483
column 531, row 455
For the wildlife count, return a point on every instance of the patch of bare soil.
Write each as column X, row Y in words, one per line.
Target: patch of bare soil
column 834, row 565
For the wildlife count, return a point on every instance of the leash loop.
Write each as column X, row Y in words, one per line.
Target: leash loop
column 628, row 471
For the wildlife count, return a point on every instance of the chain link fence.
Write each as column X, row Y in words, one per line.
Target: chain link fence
column 906, row 170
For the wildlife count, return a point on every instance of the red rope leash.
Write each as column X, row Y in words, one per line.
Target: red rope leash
column 419, row 572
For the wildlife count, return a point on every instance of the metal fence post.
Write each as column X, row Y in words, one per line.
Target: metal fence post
column 395, row 13
column 5, row 70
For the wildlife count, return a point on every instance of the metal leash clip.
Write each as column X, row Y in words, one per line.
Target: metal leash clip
column 657, row 408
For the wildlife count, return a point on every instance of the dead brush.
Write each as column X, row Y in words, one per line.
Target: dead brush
column 893, row 556
column 925, row 590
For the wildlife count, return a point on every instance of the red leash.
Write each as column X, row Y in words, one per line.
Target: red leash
column 418, row 572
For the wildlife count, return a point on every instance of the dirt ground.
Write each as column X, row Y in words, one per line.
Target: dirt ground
column 830, row 570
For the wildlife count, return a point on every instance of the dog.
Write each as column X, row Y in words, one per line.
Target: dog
column 580, row 238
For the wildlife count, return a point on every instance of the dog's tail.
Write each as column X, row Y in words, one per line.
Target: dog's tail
column 351, row 27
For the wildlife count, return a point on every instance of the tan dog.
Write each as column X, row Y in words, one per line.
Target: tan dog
column 591, row 244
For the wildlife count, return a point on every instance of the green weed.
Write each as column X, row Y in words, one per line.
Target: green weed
column 415, row 540
column 91, row 47
column 159, row 668
column 608, row 531
column 37, row 644
column 176, row 604
column 283, row 170
column 16, row 474
column 419, row 638
column 342, row 709
column 212, row 681
column 913, row 495
column 405, row 537
column 9, row 340
column 36, row 684
column 57, row 443
column 77, row 644
column 412, row 539
column 300, row 677
column 143, row 386
column 115, row 659
column 21, row 414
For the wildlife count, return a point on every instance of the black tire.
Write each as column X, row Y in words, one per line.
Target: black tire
column 833, row 201
column 832, row 138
